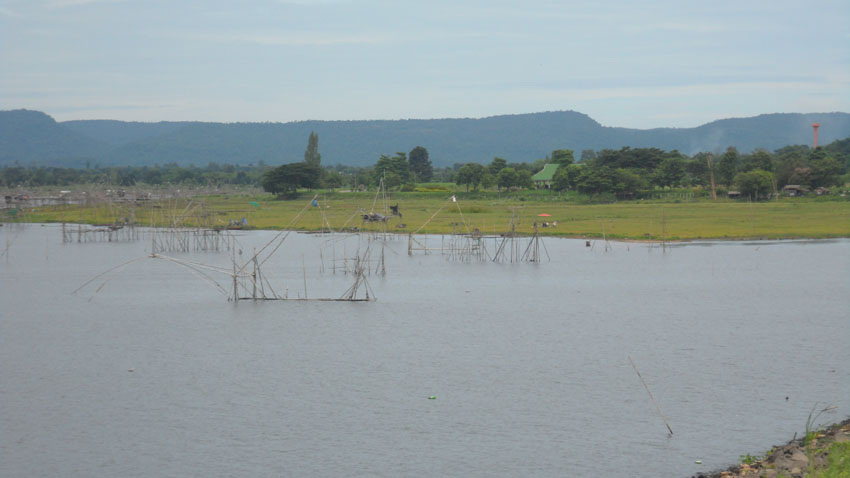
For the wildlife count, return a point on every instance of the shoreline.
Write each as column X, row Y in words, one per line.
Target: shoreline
column 795, row 459
column 625, row 240
column 623, row 222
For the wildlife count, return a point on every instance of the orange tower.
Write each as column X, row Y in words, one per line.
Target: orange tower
column 815, row 127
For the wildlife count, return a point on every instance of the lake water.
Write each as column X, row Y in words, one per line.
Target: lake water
column 150, row 371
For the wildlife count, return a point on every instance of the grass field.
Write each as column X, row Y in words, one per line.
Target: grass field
column 491, row 213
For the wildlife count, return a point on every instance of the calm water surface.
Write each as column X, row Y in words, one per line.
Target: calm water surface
column 150, row 371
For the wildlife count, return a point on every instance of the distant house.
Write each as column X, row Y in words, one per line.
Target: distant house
column 543, row 179
column 794, row 190
column 734, row 194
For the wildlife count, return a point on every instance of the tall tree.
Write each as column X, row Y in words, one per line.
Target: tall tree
column 289, row 177
column 669, row 172
column 595, row 180
column 420, row 165
column 523, row 179
column 395, row 170
column 565, row 178
column 755, row 184
column 760, row 159
column 697, row 169
column 470, row 174
column 825, row 172
column 728, row 165
column 497, row 165
column 507, row 178
column 563, row 156
column 626, row 181
column 312, row 156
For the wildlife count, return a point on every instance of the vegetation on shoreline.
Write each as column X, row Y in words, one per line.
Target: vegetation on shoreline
column 822, row 453
column 632, row 194
column 490, row 213
column 627, row 173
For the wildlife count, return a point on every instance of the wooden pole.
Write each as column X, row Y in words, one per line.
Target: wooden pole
column 254, row 293
column 711, row 172
column 235, row 283
column 304, row 267
column 650, row 395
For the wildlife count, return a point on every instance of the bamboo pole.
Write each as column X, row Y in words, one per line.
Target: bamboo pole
column 650, row 396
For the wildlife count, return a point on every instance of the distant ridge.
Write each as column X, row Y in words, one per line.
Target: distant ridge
column 32, row 137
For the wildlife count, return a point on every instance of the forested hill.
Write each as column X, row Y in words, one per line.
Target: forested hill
column 31, row 137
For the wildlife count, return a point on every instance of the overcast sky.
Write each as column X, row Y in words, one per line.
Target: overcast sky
column 643, row 64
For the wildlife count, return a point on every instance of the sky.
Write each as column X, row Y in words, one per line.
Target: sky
column 677, row 63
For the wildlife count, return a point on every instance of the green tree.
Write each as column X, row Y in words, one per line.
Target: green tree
column 497, row 165
column 507, row 178
column 728, row 165
column 755, row 184
column 363, row 177
column 470, row 175
column 332, row 179
column 563, row 157
column 523, row 179
column 312, row 156
column 487, row 179
column 646, row 159
column 696, row 170
column 595, row 180
column 395, row 170
column 816, row 155
column 789, row 160
column 420, row 165
column 669, row 172
column 565, row 178
column 626, row 181
column 825, row 172
column 289, row 177
column 587, row 155
column 760, row 159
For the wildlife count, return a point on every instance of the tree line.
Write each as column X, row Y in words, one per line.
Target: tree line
column 624, row 172
column 213, row 174
column 758, row 174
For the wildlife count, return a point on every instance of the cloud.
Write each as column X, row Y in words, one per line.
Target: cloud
column 6, row 12
column 76, row 3
column 719, row 90
column 294, row 39
column 687, row 27
column 310, row 3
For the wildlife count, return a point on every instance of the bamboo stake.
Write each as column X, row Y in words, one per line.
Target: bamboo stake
column 650, row 396
column 711, row 170
column 304, row 268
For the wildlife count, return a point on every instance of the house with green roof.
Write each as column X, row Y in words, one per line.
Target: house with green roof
column 543, row 179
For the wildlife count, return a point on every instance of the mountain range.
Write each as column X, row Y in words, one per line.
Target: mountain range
column 34, row 138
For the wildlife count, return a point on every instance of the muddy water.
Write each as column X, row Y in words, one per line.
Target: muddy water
column 149, row 370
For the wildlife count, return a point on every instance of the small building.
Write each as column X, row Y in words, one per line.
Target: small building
column 543, row 179
column 734, row 194
column 794, row 190
column 821, row 191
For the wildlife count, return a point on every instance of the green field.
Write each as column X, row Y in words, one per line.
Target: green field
column 489, row 212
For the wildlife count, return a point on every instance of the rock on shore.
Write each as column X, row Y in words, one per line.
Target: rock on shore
column 791, row 460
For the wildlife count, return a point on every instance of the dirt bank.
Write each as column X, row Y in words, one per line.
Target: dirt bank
column 791, row 460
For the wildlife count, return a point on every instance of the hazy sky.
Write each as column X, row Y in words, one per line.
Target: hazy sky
column 625, row 63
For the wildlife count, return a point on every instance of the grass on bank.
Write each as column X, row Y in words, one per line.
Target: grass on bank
column 838, row 463
column 490, row 213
